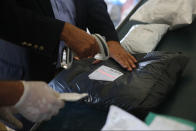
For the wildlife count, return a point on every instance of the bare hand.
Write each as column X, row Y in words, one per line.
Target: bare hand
column 83, row 44
column 120, row 55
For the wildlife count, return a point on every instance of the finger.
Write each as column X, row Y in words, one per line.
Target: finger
column 96, row 61
column 2, row 127
column 8, row 117
column 130, row 61
column 124, row 63
column 121, row 61
column 129, row 68
column 15, row 122
column 133, row 58
column 76, row 58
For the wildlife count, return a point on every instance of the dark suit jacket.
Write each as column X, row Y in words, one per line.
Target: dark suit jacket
column 31, row 23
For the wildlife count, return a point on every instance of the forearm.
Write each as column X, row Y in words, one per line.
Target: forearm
column 83, row 44
column 10, row 92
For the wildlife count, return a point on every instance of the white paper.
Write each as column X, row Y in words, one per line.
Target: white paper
column 72, row 96
column 121, row 120
column 163, row 123
column 105, row 73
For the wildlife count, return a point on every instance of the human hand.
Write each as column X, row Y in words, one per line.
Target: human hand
column 38, row 102
column 6, row 114
column 120, row 55
column 83, row 44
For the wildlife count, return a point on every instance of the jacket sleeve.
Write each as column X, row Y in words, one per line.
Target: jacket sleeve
column 99, row 20
column 23, row 27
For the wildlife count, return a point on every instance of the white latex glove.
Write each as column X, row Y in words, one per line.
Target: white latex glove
column 38, row 102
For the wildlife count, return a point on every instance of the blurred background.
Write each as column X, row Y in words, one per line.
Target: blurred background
column 119, row 9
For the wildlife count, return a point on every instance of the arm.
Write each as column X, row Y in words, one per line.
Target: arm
column 30, row 96
column 10, row 92
column 26, row 28
column 99, row 22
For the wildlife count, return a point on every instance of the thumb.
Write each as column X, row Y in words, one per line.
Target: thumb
column 96, row 61
column 7, row 116
column 76, row 58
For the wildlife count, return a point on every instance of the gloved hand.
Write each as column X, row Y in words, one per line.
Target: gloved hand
column 38, row 102
column 6, row 114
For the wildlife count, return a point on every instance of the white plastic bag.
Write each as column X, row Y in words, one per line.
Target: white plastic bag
column 120, row 120
column 172, row 12
column 143, row 38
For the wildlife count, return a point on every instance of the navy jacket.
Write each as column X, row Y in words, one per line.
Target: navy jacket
column 31, row 24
